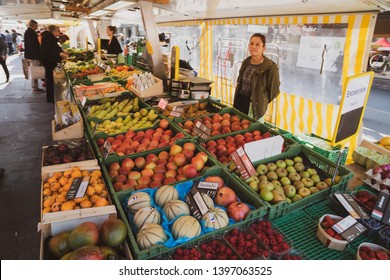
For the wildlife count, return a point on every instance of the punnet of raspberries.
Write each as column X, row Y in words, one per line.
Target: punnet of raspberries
column 217, row 249
column 367, row 253
column 187, row 254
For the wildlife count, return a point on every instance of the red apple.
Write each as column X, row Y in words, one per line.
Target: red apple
column 203, row 156
column 120, row 178
column 163, row 124
column 100, row 141
column 144, row 180
column 237, row 211
column 114, row 166
column 189, row 171
column 163, row 155
column 189, row 146
column 170, row 173
column 180, row 160
column 113, row 173
column 117, row 186
column 198, row 163
column 225, row 196
column 128, row 162
column 169, row 180
column 130, row 134
column 140, row 162
column 134, row 175
column 175, row 149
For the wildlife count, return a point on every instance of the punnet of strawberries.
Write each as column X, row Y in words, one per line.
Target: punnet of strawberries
column 186, row 254
column 216, row 249
column 273, row 239
column 246, row 244
column 327, row 224
column 367, row 253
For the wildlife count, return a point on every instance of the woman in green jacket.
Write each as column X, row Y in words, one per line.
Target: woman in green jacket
column 258, row 80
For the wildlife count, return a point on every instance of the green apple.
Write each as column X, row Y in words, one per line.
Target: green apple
column 328, row 181
column 315, row 178
column 266, row 195
column 307, row 182
column 304, row 192
column 294, row 177
column 296, row 198
column 261, row 169
column 281, row 164
column 271, row 166
column 289, row 191
column 314, row 190
column 278, row 196
column 276, row 183
column 298, row 185
column 299, row 166
column 279, row 189
column 281, row 172
column 288, row 200
column 266, row 185
column 285, row 181
column 272, row 175
column 304, row 174
column 290, row 169
column 322, row 185
column 289, row 162
column 337, row 179
column 311, row 171
column 263, row 178
column 254, row 185
column 252, row 179
column 298, row 159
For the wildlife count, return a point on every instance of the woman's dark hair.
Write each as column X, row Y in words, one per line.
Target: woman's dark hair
column 112, row 28
column 261, row 36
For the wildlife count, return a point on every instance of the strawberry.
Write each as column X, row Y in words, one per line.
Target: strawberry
column 365, row 249
column 363, row 255
column 381, row 255
column 330, row 232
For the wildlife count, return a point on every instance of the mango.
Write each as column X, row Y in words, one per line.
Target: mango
column 85, row 234
column 59, row 245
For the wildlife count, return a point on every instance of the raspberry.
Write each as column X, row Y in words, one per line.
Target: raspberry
column 179, row 251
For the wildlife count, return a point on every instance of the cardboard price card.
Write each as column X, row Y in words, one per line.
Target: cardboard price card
column 244, row 165
column 177, row 111
column 106, row 149
column 162, row 103
column 74, row 188
column 201, row 130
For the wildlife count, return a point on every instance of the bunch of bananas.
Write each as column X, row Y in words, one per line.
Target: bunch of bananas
column 109, row 110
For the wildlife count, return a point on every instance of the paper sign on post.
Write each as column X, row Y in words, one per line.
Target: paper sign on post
column 264, row 148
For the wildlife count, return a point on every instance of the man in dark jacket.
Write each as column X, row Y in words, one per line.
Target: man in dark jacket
column 3, row 57
column 51, row 54
column 31, row 50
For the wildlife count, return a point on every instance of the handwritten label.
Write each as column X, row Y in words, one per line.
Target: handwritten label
column 106, row 149
column 162, row 104
column 243, row 164
column 177, row 111
column 201, row 130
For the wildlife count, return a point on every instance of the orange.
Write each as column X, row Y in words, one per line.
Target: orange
column 94, row 198
column 46, row 210
column 101, row 202
column 99, row 188
column 68, row 173
column 48, row 201
column 86, row 204
column 56, row 206
column 90, row 191
column 76, row 173
column 51, row 180
column 47, row 192
column 104, row 193
column 63, row 180
column 69, row 205
column 46, row 185
column 85, row 173
column 55, row 186
column 61, row 198
column 67, row 187
column 80, row 199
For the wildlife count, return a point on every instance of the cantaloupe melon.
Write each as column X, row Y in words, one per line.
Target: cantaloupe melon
column 164, row 194
column 216, row 218
column 137, row 201
column 186, row 226
column 150, row 235
column 176, row 208
column 146, row 215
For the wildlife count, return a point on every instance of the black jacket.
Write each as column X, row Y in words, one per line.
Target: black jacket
column 114, row 47
column 50, row 50
column 3, row 47
column 31, row 45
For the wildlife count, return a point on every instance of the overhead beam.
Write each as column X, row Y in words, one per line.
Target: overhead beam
column 77, row 9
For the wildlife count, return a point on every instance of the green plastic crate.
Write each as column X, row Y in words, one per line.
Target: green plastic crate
column 245, row 196
column 317, row 210
column 325, row 168
column 302, row 231
column 172, row 126
column 105, row 165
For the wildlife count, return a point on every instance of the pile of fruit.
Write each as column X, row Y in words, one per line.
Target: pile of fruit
column 287, row 180
column 135, row 142
column 217, row 249
column 180, row 162
column 366, row 198
column 275, row 241
column 222, row 148
column 88, row 242
column 65, row 153
column 246, row 244
column 197, row 110
column 327, row 224
column 123, row 72
column 367, row 252
column 218, row 123
column 56, row 188
column 384, row 142
column 190, row 253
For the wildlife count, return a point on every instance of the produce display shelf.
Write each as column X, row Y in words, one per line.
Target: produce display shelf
column 301, row 230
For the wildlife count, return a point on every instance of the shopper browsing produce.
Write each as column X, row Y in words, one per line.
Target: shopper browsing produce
column 113, row 43
column 51, row 54
column 258, row 80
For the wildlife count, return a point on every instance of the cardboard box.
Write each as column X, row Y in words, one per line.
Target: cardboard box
column 327, row 240
column 154, row 90
column 71, row 132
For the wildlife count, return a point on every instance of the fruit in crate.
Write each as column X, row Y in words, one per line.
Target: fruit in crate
column 59, row 244
column 246, row 244
column 84, row 234
column 368, row 251
column 150, row 235
column 89, row 252
column 197, row 110
column 186, row 254
column 215, row 179
column 114, row 109
column 56, row 188
column 215, row 219
column 175, row 208
column 146, row 215
column 66, row 153
column 273, row 239
column 137, row 201
column 186, row 226
column 225, row 196
column 385, row 142
column 218, row 123
column 222, row 148
column 113, row 232
column 216, row 249
column 164, row 194
column 167, row 167
column 366, row 198
column 238, row 211
column 327, row 224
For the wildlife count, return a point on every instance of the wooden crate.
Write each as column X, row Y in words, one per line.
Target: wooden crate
column 71, row 132
column 375, row 147
column 86, row 164
column 155, row 90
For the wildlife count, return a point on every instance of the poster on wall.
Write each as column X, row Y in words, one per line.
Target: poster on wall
column 311, row 48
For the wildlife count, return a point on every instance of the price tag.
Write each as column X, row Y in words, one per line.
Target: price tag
column 162, row 104
column 108, row 69
column 74, row 188
column 244, row 165
column 106, row 149
column 83, row 187
column 201, row 130
column 102, row 65
column 177, row 111
column 83, row 101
